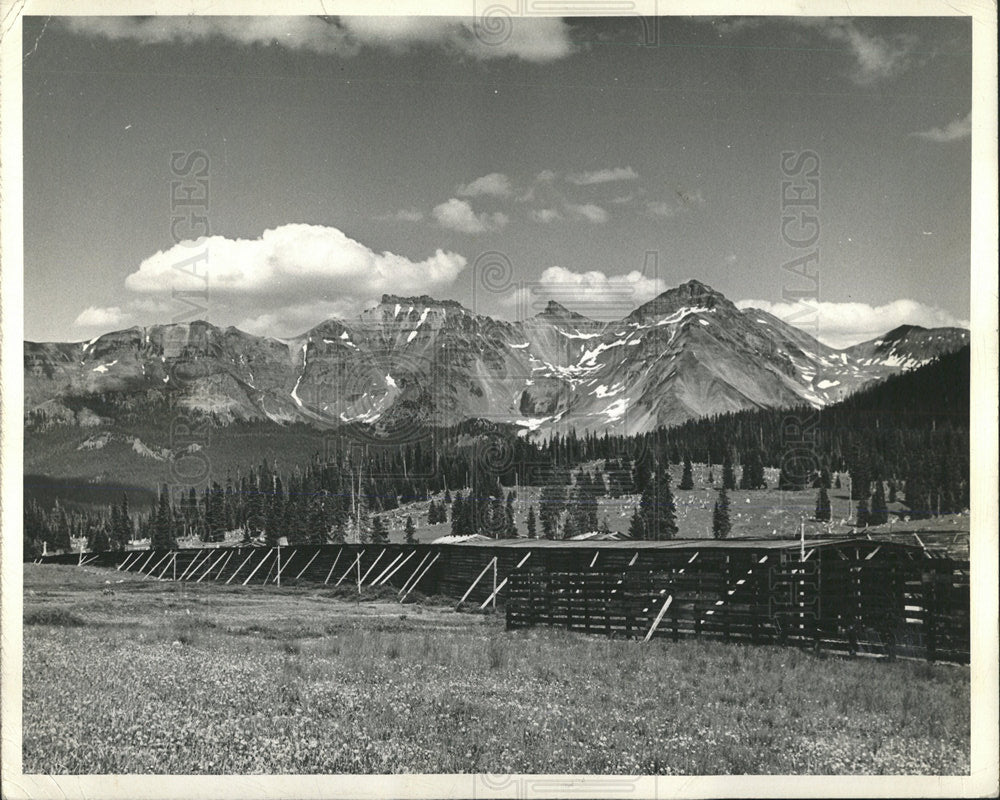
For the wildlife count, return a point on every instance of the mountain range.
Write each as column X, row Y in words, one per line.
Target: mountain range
column 687, row 353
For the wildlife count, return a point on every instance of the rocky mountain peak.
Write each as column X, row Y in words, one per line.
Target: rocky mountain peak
column 423, row 301
column 692, row 294
column 557, row 311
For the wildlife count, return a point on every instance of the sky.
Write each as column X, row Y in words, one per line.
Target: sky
column 591, row 161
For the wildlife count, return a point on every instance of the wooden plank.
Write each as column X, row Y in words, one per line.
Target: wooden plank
column 406, row 583
column 173, row 559
column 210, row 567
column 141, row 566
column 473, row 586
column 383, row 573
column 225, row 563
column 362, row 578
column 131, row 557
column 310, row 561
column 190, row 563
column 426, row 570
column 497, row 589
column 281, row 567
column 240, row 567
column 357, row 560
column 333, row 566
column 396, row 569
column 260, row 563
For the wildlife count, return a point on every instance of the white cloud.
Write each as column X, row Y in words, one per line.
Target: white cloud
column 686, row 201
column 594, row 293
column 103, row 318
column 496, row 184
column 408, row 215
column 458, row 216
column 952, row 132
column 545, row 215
column 286, row 260
column 659, row 208
column 589, row 212
column 538, row 40
column 843, row 324
column 283, row 282
column 602, row 176
column 875, row 57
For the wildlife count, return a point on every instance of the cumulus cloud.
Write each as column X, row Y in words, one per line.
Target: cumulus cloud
column 594, row 293
column 843, row 324
column 104, row 318
column 458, row 215
column 281, row 283
column 536, row 39
column 588, row 211
column 602, row 176
column 660, row 208
column 288, row 258
column 952, row 132
column 545, row 215
column 496, row 184
column 875, row 57
column 685, row 201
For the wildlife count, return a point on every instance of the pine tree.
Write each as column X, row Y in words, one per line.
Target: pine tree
column 98, row 541
column 823, row 505
column 115, row 526
column 879, row 514
column 836, row 483
column 530, row 522
column 317, row 520
column 687, row 478
column 457, row 509
column 447, row 498
column 862, row 513
column 496, row 521
column 728, row 476
column 411, row 531
column 656, row 506
column 432, row 514
column 860, row 478
column 550, row 506
column 637, row 527
column 379, row 533
column 511, row 527
column 721, row 524
column 163, row 533
column 753, row 472
column 122, row 535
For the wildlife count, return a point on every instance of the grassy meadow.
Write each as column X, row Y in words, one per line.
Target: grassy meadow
column 131, row 675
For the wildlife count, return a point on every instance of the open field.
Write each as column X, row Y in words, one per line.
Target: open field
column 124, row 674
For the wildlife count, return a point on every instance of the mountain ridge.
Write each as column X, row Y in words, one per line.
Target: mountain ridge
column 413, row 360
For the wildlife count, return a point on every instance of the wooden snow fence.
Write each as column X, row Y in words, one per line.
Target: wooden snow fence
column 852, row 595
column 849, row 596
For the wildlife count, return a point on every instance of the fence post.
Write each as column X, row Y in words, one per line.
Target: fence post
column 930, row 608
